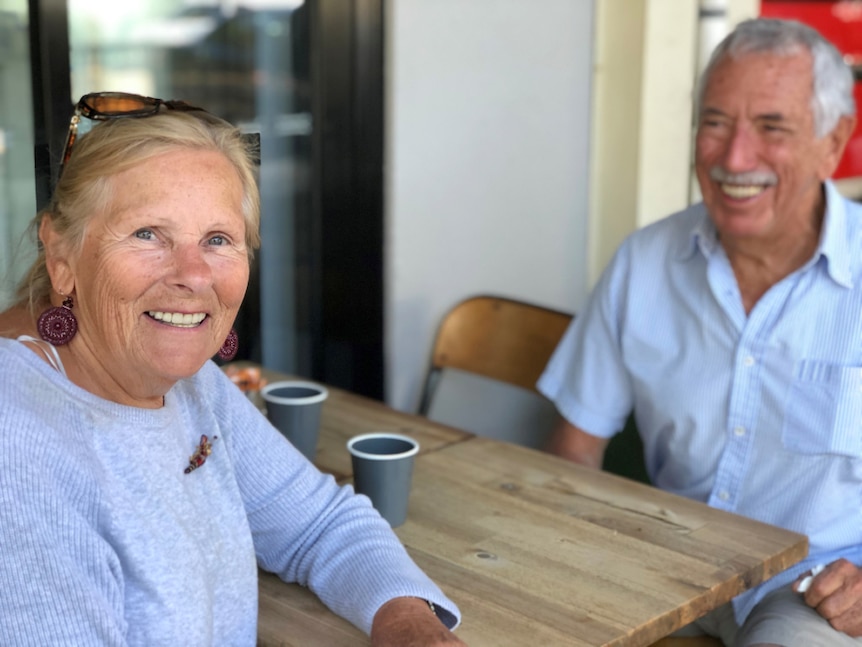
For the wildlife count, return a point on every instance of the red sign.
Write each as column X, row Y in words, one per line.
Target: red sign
column 841, row 23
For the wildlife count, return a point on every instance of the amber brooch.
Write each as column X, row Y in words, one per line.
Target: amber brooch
column 204, row 449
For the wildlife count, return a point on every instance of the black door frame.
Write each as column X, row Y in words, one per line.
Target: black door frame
column 342, row 292
column 348, row 77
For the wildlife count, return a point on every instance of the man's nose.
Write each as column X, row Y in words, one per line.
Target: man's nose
column 741, row 151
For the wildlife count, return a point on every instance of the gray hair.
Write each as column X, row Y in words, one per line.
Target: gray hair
column 832, row 94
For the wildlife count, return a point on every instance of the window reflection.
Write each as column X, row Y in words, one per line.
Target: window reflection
column 17, row 189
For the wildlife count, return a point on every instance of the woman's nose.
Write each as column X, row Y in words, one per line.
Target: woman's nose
column 191, row 269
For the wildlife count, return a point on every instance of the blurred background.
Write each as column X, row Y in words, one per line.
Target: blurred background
column 413, row 152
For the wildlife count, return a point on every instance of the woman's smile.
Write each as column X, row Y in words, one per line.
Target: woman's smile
column 179, row 319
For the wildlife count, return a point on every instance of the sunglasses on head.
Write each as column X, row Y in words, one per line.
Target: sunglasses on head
column 104, row 106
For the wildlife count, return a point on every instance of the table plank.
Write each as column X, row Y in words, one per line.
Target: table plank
column 522, row 539
column 346, row 414
column 535, row 549
column 291, row 616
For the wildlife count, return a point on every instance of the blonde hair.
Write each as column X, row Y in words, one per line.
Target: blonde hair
column 117, row 145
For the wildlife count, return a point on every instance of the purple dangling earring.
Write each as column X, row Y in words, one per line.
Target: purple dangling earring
column 230, row 346
column 58, row 325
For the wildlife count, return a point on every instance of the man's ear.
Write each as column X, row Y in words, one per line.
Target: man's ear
column 835, row 142
column 57, row 259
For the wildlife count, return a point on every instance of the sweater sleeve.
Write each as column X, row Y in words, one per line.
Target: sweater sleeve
column 60, row 583
column 309, row 530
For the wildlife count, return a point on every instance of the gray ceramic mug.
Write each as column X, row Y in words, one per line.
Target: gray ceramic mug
column 293, row 407
column 383, row 471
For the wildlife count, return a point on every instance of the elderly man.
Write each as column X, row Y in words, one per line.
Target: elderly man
column 733, row 331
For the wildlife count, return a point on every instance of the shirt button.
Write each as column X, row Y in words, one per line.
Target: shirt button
column 748, row 361
column 724, row 495
column 739, row 431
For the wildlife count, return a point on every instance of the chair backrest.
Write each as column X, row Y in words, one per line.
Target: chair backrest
column 502, row 339
column 511, row 342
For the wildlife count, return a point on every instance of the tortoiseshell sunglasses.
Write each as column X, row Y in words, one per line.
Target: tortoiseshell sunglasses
column 104, row 106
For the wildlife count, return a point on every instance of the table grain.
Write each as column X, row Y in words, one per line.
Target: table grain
column 534, row 549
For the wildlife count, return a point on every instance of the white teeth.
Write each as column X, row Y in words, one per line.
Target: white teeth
column 742, row 191
column 178, row 318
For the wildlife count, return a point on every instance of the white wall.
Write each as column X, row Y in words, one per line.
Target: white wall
column 646, row 60
column 487, row 131
column 525, row 139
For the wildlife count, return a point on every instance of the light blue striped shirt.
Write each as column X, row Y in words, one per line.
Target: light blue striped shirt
column 760, row 415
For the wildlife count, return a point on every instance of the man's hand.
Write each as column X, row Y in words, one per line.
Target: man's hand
column 409, row 622
column 836, row 594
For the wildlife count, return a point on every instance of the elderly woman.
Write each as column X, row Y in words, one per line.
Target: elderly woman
column 110, row 533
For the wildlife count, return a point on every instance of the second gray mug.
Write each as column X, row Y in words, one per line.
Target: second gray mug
column 383, row 471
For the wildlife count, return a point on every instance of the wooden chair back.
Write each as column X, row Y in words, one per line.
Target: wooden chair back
column 502, row 339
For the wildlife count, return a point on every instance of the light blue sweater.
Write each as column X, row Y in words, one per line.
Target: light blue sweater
column 104, row 540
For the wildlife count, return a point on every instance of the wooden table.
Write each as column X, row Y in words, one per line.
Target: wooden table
column 536, row 550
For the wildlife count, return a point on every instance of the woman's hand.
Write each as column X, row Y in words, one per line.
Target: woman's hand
column 409, row 622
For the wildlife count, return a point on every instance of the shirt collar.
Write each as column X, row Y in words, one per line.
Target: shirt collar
column 833, row 246
column 702, row 236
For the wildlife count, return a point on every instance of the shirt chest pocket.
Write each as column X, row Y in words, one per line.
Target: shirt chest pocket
column 824, row 410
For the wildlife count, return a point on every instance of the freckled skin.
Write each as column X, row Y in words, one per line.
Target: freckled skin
column 172, row 240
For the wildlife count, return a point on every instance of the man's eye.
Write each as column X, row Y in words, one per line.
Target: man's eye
column 712, row 124
column 145, row 234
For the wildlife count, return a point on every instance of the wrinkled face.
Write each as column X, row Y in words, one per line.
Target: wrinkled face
column 759, row 164
column 163, row 270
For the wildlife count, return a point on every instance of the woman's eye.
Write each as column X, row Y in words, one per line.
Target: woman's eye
column 218, row 240
column 145, row 234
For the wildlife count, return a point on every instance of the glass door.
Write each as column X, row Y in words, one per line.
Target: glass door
column 248, row 62
column 17, row 184
column 315, row 302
